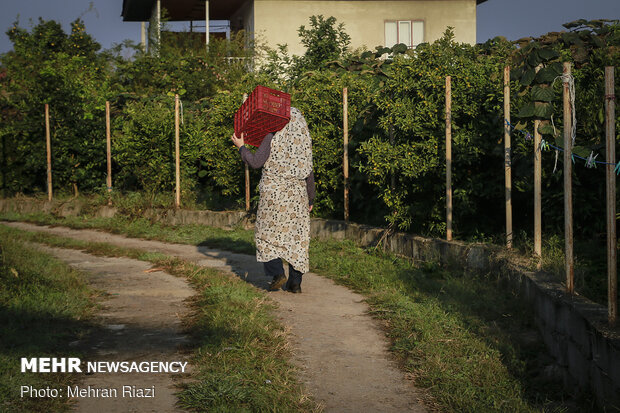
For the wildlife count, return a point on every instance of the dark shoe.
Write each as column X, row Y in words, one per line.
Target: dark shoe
column 293, row 284
column 277, row 283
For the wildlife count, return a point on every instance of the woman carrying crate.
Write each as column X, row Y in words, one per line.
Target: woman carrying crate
column 286, row 196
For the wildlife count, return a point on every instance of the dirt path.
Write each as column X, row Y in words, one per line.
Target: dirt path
column 342, row 351
column 137, row 324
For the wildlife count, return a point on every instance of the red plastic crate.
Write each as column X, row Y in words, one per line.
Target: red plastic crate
column 265, row 111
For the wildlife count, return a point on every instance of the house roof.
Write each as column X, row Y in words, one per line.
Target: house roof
column 180, row 10
column 184, row 10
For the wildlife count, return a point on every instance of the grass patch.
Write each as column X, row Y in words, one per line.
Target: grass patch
column 44, row 305
column 237, row 240
column 590, row 263
column 241, row 351
column 469, row 341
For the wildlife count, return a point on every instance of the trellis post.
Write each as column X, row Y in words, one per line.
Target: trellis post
column 610, row 150
column 177, row 151
column 568, row 183
column 507, row 160
column 345, row 161
column 48, row 141
column 108, row 151
column 247, row 174
column 448, row 158
column 537, row 190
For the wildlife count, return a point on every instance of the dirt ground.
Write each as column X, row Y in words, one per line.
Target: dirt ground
column 140, row 321
column 341, row 351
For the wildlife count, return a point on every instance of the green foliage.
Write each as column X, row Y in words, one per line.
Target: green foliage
column 44, row 306
column 49, row 66
column 316, row 96
column 396, row 112
column 396, row 116
column 146, row 152
column 589, row 46
column 68, row 72
column 323, row 41
column 538, row 62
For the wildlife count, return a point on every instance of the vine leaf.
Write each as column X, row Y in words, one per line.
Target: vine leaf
column 528, row 77
column 543, row 110
column 527, row 110
column 548, row 54
column 546, row 130
column 542, row 94
column 515, row 74
column 536, row 109
column 547, row 74
column 533, row 59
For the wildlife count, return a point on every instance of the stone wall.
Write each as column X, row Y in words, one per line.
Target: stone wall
column 574, row 329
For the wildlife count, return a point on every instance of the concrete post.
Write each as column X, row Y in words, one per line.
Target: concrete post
column 207, row 23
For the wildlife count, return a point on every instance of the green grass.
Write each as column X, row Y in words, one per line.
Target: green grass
column 469, row 341
column 240, row 350
column 462, row 336
column 44, row 305
column 590, row 263
column 243, row 353
column 132, row 202
column 237, row 240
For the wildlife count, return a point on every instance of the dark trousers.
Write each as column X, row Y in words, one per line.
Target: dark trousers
column 275, row 267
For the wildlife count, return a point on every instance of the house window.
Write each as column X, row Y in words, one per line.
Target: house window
column 409, row 32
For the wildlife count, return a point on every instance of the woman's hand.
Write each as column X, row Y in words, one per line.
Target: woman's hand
column 310, row 208
column 238, row 142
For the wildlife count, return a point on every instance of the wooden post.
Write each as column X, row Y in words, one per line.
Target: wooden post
column 568, row 185
column 537, row 190
column 345, row 161
column 3, row 165
column 610, row 150
column 48, row 141
column 247, row 175
column 392, row 175
column 177, row 151
column 507, row 160
column 448, row 158
column 108, row 150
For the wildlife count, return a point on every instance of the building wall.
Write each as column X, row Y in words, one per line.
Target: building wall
column 277, row 21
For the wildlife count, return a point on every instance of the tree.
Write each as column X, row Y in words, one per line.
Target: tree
column 48, row 66
column 324, row 41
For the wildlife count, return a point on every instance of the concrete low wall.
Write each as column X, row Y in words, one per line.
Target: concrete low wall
column 221, row 219
column 574, row 329
column 474, row 256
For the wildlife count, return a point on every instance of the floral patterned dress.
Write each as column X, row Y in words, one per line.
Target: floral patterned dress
column 283, row 219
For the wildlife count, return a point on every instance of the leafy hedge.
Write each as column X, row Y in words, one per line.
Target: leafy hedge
column 396, row 113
